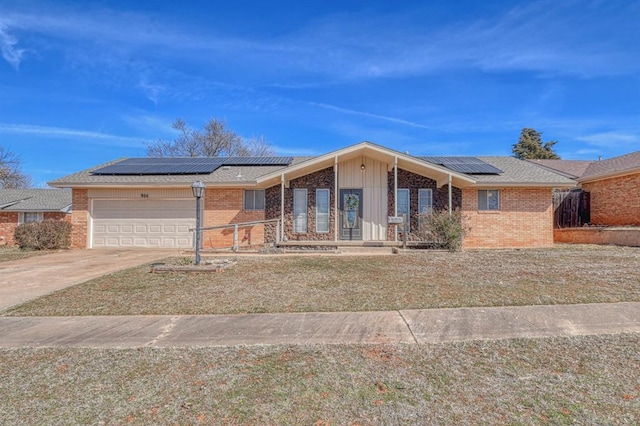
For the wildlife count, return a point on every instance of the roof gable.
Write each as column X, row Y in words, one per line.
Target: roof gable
column 616, row 166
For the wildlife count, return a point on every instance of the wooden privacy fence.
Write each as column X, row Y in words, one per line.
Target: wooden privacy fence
column 571, row 208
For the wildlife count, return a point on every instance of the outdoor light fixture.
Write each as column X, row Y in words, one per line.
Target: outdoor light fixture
column 198, row 191
column 362, row 166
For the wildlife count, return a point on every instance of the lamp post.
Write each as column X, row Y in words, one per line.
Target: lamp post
column 198, row 191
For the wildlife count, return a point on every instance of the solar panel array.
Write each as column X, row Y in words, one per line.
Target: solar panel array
column 185, row 166
column 468, row 165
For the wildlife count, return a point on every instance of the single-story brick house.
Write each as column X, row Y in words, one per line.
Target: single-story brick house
column 19, row 206
column 345, row 195
column 613, row 186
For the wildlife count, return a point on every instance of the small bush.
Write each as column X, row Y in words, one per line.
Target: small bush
column 46, row 235
column 444, row 230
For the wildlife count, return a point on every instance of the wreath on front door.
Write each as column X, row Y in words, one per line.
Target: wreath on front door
column 352, row 202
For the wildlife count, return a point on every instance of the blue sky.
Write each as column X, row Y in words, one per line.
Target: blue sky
column 83, row 83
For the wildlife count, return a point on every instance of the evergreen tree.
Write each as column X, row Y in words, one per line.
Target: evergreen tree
column 530, row 146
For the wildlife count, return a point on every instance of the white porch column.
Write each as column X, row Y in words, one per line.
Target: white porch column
column 395, row 194
column 282, row 207
column 336, row 197
column 450, row 196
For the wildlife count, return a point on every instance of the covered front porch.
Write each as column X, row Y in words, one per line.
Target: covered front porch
column 355, row 195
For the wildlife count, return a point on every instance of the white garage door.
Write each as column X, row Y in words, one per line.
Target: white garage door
column 143, row 223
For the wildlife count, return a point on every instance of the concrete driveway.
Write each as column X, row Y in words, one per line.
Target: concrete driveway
column 26, row 279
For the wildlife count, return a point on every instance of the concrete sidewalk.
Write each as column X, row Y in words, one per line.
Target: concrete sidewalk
column 413, row 326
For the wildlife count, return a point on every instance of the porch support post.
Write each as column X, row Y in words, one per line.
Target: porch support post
column 450, row 196
column 282, row 207
column 336, row 199
column 395, row 194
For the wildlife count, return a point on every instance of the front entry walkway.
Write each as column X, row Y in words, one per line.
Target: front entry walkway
column 25, row 279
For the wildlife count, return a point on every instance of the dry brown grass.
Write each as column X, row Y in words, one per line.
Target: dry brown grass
column 585, row 380
column 561, row 275
column 15, row 253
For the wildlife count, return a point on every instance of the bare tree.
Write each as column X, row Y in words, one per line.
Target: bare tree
column 214, row 140
column 10, row 175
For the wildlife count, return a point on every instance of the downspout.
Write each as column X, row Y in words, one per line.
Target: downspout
column 336, row 199
column 450, row 196
column 395, row 195
column 282, row 207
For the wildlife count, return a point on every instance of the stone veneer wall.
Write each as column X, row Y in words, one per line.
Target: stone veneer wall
column 415, row 182
column 323, row 179
column 615, row 201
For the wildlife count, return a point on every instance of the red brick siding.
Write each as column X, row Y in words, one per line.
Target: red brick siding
column 79, row 218
column 224, row 206
column 615, row 201
column 525, row 219
column 9, row 223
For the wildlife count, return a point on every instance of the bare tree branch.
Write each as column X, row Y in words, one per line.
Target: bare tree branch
column 214, row 140
column 10, row 175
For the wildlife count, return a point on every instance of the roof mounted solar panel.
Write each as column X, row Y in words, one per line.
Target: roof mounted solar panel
column 468, row 165
column 185, row 165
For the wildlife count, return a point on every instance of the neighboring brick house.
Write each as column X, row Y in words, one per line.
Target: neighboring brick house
column 19, row 206
column 343, row 197
column 613, row 186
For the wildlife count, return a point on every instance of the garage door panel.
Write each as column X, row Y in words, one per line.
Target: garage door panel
column 143, row 223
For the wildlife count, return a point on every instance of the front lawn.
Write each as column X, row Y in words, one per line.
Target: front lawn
column 16, row 253
column 561, row 275
column 581, row 380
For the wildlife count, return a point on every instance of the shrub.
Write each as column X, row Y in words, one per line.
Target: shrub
column 46, row 235
column 444, row 230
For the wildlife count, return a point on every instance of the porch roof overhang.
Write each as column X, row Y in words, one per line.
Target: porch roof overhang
column 376, row 152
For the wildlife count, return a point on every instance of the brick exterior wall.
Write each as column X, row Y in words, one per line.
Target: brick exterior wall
column 525, row 219
column 79, row 218
column 415, row 182
column 224, row 206
column 323, row 179
column 9, row 223
column 615, row 201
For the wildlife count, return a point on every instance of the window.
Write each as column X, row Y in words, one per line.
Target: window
column 254, row 199
column 403, row 204
column 322, row 210
column 425, row 203
column 28, row 217
column 299, row 210
column 489, row 199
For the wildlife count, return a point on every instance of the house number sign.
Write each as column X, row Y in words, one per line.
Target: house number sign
column 143, row 195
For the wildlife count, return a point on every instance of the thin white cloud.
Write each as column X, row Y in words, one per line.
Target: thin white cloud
column 10, row 52
column 611, row 139
column 84, row 135
column 369, row 115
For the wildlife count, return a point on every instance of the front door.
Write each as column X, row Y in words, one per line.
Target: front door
column 351, row 214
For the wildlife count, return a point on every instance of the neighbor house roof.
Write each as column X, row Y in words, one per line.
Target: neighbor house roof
column 571, row 168
column 35, row 200
column 612, row 167
column 514, row 172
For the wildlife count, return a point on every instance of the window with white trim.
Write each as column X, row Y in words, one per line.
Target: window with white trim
column 404, row 203
column 300, row 210
column 322, row 210
column 489, row 199
column 425, row 203
column 254, row 199
column 29, row 217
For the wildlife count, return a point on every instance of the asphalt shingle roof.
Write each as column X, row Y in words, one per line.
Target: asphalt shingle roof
column 520, row 172
column 572, row 168
column 34, row 200
column 613, row 165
